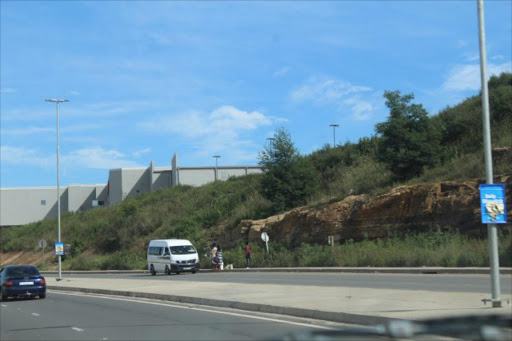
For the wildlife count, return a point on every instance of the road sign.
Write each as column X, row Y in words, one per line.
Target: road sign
column 59, row 249
column 492, row 204
column 42, row 244
column 264, row 237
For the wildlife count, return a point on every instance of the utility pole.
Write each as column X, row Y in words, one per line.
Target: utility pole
column 270, row 142
column 492, row 234
column 57, row 101
column 334, row 126
column 216, row 166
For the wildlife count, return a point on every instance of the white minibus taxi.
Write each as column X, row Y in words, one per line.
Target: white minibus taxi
column 172, row 255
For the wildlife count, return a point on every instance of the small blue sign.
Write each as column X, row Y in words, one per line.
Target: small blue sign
column 59, row 249
column 492, row 204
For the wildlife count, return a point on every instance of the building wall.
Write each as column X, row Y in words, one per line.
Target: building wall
column 227, row 172
column 102, row 194
column 80, row 197
column 162, row 178
column 114, row 187
column 19, row 206
column 254, row 170
column 196, row 176
column 135, row 182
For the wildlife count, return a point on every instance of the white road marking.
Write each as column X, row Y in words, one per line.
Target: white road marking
column 3, row 305
column 36, row 314
column 77, row 329
column 199, row 309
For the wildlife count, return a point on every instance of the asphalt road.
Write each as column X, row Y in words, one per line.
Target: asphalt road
column 430, row 282
column 73, row 316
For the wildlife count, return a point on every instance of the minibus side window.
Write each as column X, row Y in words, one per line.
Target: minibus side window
column 155, row 251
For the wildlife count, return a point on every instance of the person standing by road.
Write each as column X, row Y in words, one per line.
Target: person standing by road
column 220, row 262
column 248, row 254
column 214, row 255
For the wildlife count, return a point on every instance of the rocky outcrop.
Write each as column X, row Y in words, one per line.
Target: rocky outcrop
column 445, row 205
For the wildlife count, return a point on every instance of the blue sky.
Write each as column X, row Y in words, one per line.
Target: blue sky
column 147, row 79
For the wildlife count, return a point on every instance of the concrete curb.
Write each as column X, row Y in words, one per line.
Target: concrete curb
column 264, row 308
column 420, row 270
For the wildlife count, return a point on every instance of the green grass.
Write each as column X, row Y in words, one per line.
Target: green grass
column 434, row 248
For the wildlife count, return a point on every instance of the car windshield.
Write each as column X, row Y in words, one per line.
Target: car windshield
column 22, row 271
column 182, row 250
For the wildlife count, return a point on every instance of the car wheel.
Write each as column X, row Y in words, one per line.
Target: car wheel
column 152, row 270
column 4, row 297
column 42, row 296
column 167, row 270
column 193, row 271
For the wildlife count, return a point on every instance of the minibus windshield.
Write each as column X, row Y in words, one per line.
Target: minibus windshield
column 182, row 250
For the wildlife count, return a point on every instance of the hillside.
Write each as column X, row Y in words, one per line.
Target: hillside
column 351, row 193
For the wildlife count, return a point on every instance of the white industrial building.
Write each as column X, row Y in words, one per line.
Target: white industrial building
column 19, row 206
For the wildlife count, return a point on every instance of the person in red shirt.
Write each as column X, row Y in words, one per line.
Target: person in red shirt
column 248, row 254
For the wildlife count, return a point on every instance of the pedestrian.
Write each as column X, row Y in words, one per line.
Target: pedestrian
column 220, row 262
column 248, row 254
column 214, row 255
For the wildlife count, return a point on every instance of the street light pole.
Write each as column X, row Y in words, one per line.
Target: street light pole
column 270, row 141
column 334, row 126
column 492, row 234
column 57, row 101
column 216, row 166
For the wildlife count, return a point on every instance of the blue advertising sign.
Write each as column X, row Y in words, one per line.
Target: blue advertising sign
column 59, row 249
column 492, row 204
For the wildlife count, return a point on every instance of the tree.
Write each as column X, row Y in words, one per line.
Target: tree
column 288, row 179
column 409, row 141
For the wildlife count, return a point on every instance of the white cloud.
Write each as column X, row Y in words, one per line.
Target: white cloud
column 91, row 158
column 74, row 93
column 471, row 56
column 467, row 77
column 229, row 117
column 97, row 158
column 325, row 90
column 7, row 91
column 141, row 152
column 24, row 156
column 341, row 94
column 46, row 112
column 225, row 120
column 27, row 131
column 221, row 131
column 281, row 72
column 498, row 57
column 461, row 43
column 362, row 110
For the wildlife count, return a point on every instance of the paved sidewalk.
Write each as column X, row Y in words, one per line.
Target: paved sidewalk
column 339, row 304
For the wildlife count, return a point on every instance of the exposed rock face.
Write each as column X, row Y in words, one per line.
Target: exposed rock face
column 447, row 205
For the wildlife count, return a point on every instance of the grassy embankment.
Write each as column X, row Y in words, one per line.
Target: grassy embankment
column 116, row 237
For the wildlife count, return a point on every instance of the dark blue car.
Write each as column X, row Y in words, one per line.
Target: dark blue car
column 22, row 281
